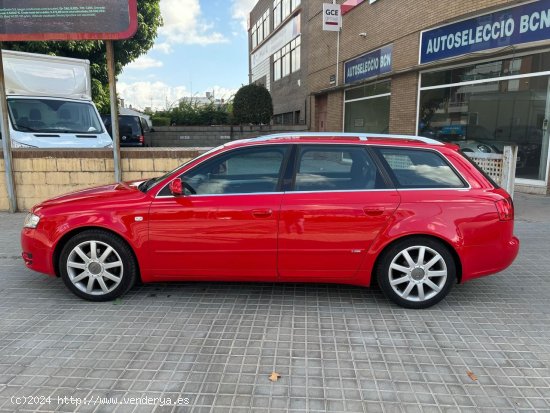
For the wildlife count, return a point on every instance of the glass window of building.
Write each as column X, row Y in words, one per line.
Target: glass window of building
column 277, row 65
column 260, row 30
column 286, row 8
column 254, row 35
column 367, row 108
column 287, row 59
column 485, row 106
column 282, row 9
column 295, row 54
column 277, row 13
column 266, row 23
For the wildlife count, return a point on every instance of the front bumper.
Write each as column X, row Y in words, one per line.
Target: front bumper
column 36, row 251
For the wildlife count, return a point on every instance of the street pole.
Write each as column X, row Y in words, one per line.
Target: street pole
column 6, row 141
column 114, row 109
column 338, row 49
column 337, row 57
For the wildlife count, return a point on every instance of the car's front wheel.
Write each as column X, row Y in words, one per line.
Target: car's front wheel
column 416, row 272
column 97, row 265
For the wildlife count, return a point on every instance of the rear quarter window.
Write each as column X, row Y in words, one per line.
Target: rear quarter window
column 481, row 171
column 418, row 168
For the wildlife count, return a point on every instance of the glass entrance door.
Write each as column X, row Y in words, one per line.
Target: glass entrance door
column 545, row 137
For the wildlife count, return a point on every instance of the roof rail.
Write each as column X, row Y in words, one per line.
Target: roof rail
column 360, row 136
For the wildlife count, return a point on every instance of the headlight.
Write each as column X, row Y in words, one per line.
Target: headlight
column 15, row 144
column 110, row 146
column 31, row 221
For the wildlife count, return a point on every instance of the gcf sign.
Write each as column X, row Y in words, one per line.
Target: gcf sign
column 332, row 17
column 24, row 20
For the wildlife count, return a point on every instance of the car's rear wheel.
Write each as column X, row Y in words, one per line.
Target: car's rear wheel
column 416, row 272
column 97, row 266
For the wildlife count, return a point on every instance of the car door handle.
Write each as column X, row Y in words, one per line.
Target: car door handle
column 262, row 213
column 373, row 212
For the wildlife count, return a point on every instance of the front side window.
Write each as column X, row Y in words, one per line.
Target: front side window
column 336, row 168
column 53, row 116
column 242, row 171
column 419, row 169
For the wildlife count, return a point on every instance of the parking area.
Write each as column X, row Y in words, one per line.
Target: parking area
column 198, row 347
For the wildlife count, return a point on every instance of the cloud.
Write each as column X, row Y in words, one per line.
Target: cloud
column 184, row 24
column 221, row 92
column 156, row 95
column 144, row 62
column 159, row 95
column 163, row 47
column 241, row 9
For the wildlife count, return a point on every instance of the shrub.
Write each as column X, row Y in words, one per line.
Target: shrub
column 160, row 121
column 252, row 104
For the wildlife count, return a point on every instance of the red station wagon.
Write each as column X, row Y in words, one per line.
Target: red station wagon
column 412, row 213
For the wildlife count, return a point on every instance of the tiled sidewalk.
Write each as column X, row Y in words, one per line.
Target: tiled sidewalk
column 337, row 348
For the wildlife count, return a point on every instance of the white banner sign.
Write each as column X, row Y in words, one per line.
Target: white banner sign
column 282, row 37
column 332, row 17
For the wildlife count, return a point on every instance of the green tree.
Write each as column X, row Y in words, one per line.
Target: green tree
column 126, row 51
column 252, row 104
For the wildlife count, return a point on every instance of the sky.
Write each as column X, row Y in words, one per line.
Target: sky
column 202, row 47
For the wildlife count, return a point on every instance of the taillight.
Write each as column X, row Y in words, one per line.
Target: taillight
column 505, row 208
column 141, row 139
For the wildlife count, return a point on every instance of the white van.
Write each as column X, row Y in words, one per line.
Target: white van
column 50, row 102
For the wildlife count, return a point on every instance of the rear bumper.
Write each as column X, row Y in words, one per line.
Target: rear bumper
column 479, row 261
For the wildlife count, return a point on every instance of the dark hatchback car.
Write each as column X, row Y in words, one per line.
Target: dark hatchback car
column 133, row 130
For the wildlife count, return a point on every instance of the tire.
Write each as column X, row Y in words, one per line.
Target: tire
column 416, row 272
column 103, row 276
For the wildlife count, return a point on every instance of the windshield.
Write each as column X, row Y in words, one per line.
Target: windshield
column 53, row 116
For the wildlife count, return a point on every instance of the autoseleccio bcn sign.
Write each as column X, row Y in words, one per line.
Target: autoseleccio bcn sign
column 515, row 25
column 369, row 65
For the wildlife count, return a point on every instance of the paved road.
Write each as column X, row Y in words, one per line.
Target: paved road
column 337, row 348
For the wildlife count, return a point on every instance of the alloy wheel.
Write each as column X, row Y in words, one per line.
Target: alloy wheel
column 417, row 273
column 95, row 267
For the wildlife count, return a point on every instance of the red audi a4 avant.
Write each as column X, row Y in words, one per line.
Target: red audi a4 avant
column 410, row 212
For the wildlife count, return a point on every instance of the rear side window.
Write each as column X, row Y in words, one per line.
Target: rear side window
column 336, row 168
column 144, row 124
column 481, row 171
column 417, row 168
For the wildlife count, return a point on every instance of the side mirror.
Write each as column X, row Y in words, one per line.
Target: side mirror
column 176, row 187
